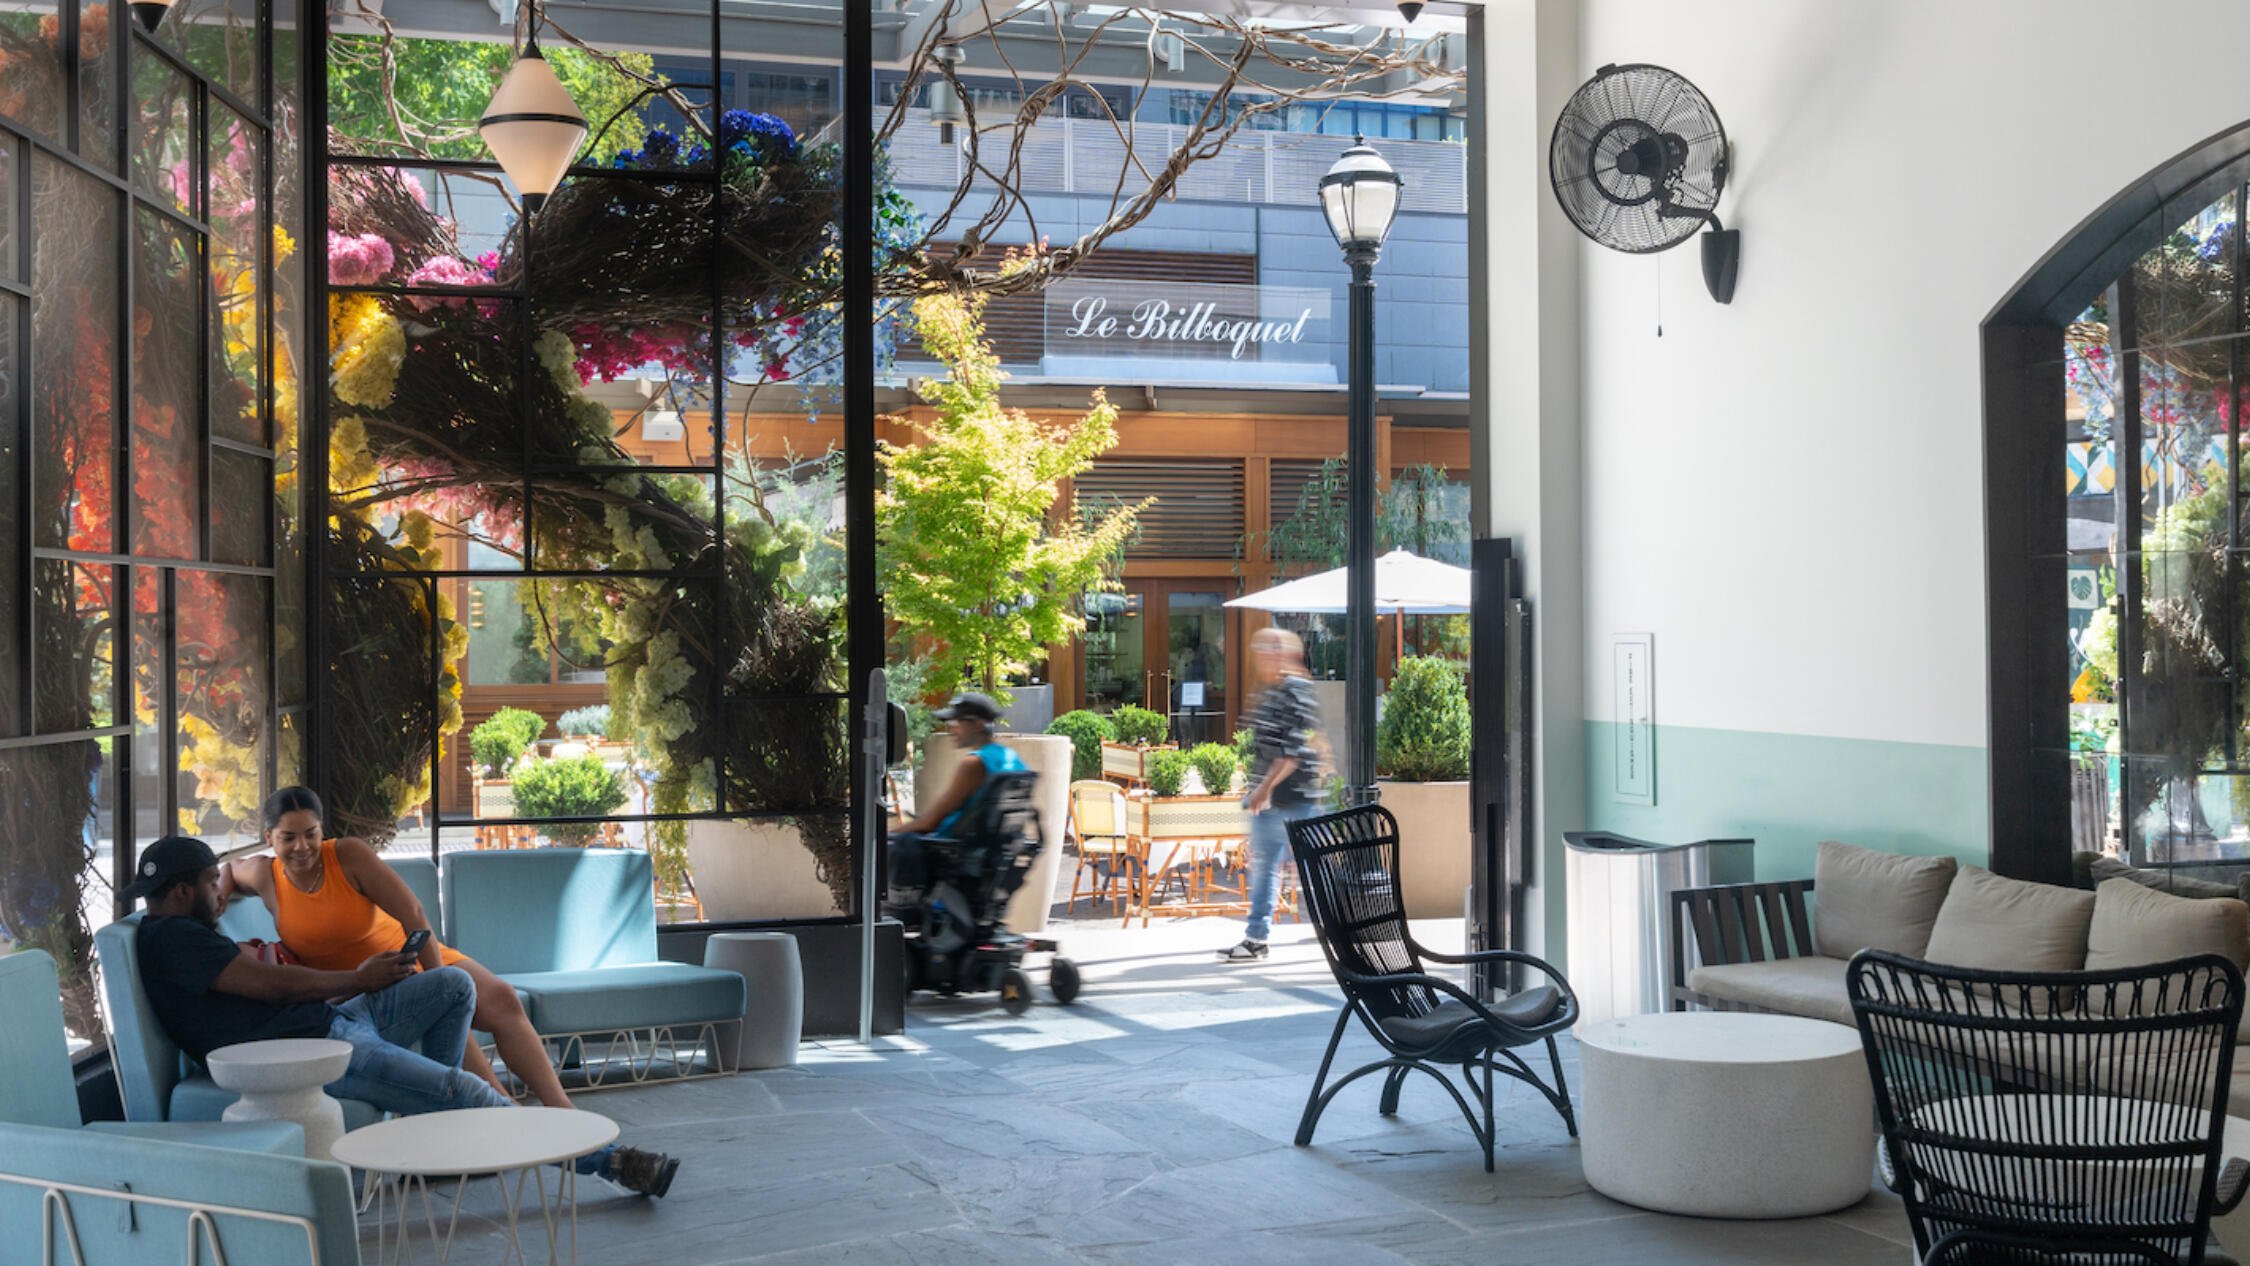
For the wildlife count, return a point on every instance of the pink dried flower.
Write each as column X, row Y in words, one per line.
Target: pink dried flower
column 358, row 261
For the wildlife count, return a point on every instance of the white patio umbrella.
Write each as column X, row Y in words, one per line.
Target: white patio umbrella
column 1405, row 584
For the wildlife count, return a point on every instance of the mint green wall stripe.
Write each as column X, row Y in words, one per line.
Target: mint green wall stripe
column 1791, row 791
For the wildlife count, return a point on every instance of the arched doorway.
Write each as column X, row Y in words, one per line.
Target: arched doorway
column 2118, row 600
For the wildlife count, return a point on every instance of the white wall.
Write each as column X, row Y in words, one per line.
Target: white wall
column 1787, row 491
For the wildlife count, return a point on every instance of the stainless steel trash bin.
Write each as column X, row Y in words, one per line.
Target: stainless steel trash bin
column 1619, row 894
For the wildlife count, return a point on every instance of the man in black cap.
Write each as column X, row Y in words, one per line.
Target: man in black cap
column 969, row 718
column 207, row 993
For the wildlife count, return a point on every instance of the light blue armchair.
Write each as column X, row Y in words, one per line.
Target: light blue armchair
column 574, row 930
column 157, row 1081
column 36, row 1086
column 69, row 1196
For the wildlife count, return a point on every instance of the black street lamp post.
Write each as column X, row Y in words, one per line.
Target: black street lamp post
column 1360, row 197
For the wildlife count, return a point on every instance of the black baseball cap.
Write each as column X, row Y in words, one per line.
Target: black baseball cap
column 972, row 705
column 167, row 860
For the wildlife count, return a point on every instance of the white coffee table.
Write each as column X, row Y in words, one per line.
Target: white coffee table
column 281, row 1080
column 402, row 1156
column 1726, row 1114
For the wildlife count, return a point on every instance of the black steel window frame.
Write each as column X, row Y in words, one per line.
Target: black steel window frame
column 128, row 43
column 864, row 618
column 2026, row 530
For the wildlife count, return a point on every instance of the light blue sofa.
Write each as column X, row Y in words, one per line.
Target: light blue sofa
column 262, row 1210
column 37, row 1088
column 574, row 930
column 154, row 1077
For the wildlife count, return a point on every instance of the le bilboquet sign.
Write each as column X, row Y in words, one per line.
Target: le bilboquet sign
column 1187, row 321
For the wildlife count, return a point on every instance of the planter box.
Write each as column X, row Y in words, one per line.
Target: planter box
column 1163, row 819
column 1434, row 845
column 746, row 871
column 1129, row 763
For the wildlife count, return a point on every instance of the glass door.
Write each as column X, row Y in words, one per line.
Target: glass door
column 1113, row 656
column 1192, row 692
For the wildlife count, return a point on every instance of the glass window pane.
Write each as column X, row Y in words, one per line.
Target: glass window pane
column 71, row 625
column 152, row 707
column 222, row 703
column 99, row 28
column 167, row 470
column 164, row 138
column 11, row 245
column 238, row 331
column 241, row 507
column 31, row 92
column 11, row 528
column 219, row 39
column 74, row 349
column 50, row 896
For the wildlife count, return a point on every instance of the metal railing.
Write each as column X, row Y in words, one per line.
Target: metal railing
column 1086, row 156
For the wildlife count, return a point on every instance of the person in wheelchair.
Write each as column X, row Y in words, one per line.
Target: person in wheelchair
column 969, row 718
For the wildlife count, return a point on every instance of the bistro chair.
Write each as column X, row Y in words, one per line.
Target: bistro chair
column 1099, row 831
column 2053, row 1116
column 1348, row 872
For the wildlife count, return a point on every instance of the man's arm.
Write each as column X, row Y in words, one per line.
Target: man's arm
column 246, row 977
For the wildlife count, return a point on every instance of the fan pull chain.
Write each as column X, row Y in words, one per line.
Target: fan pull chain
column 1659, row 262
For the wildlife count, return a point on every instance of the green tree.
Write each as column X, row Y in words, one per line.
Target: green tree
column 423, row 96
column 1424, row 734
column 975, row 559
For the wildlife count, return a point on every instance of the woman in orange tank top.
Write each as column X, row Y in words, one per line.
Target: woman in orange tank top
column 334, row 901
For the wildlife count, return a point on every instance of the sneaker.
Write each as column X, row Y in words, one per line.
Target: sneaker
column 643, row 1172
column 1248, row 951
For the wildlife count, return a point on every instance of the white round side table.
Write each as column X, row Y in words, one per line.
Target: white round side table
column 1726, row 1114
column 403, row 1155
column 773, row 978
column 281, row 1080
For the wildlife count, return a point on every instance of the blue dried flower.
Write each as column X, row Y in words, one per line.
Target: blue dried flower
column 768, row 136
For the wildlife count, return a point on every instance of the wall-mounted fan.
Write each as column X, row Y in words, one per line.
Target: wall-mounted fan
column 1638, row 162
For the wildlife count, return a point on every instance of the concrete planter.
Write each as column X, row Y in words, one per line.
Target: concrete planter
column 1031, row 710
column 1049, row 756
column 1433, row 829
column 1124, row 760
column 747, row 871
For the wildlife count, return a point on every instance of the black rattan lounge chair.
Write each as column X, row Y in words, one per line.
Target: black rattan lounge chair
column 2053, row 1116
column 1347, row 867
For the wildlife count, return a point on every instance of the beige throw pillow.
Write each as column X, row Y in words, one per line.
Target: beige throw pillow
column 1863, row 899
column 2134, row 925
column 2005, row 924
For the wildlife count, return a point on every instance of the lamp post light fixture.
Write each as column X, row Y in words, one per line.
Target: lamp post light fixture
column 946, row 110
column 1359, row 196
column 150, row 12
column 532, row 126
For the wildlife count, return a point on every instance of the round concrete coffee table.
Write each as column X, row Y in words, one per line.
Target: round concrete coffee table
column 281, row 1080
column 1726, row 1114
column 513, row 1145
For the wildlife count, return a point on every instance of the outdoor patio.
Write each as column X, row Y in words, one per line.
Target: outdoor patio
column 1149, row 1123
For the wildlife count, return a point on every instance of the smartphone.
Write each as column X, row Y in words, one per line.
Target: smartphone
column 415, row 940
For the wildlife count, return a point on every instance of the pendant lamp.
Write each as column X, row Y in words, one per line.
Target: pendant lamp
column 946, row 110
column 150, row 12
column 532, row 125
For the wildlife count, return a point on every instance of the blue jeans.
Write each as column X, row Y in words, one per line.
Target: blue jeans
column 430, row 1009
column 1269, row 843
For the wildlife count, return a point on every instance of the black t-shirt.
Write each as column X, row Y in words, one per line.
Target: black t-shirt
column 180, row 960
column 1285, row 721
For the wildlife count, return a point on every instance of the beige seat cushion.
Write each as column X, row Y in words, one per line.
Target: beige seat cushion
column 1863, row 899
column 2135, row 925
column 1812, row 986
column 2003, row 924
